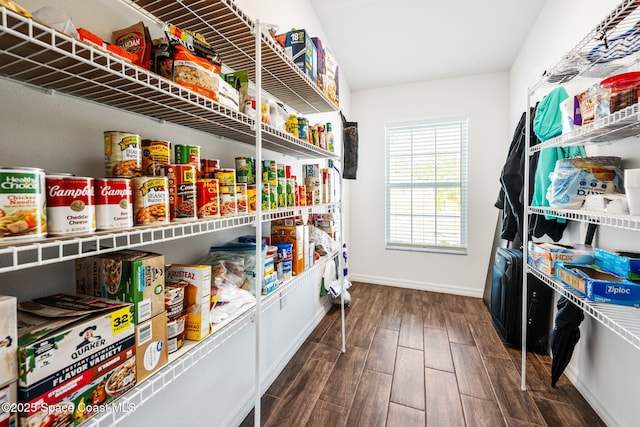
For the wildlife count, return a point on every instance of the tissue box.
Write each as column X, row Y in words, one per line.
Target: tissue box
column 623, row 264
column 543, row 256
column 598, row 285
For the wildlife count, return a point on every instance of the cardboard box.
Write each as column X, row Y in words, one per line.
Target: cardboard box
column 197, row 297
column 320, row 60
column 300, row 48
column 8, row 340
column 130, row 276
column 598, row 285
column 543, row 256
column 623, row 264
column 330, row 79
column 73, row 348
column 8, row 395
column 287, row 231
column 151, row 346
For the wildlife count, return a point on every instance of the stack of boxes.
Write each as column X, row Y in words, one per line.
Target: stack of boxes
column 8, row 359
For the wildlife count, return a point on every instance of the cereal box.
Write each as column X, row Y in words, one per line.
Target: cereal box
column 197, row 296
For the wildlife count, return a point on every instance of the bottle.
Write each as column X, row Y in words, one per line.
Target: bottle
column 328, row 136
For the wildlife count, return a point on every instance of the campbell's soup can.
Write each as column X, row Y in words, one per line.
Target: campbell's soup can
column 114, row 203
column 70, row 205
column 252, row 198
column 187, row 155
column 246, row 170
column 155, row 154
column 22, row 204
column 122, row 154
column 182, row 191
column 208, row 197
column 208, row 168
column 150, row 199
column 226, row 176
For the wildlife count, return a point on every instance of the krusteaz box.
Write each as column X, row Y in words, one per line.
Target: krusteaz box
column 543, row 256
column 623, row 264
column 73, row 349
column 197, row 296
column 130, row 276
column 598, row 285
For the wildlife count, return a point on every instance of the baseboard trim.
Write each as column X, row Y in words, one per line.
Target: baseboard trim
column 422, row 286
column 593, row 401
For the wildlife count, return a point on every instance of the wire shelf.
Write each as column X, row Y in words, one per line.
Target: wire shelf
column 622, row 320
column 625, row 222
column 38, row 55
column 231, row 32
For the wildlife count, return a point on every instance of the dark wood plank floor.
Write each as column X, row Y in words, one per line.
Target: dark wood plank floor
column 416, row 358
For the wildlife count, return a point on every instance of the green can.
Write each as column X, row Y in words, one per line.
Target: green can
column 290, row 185
column 246, row 170
column 282, row 192
column 269, row 172
column 187, row 155
column 266, row 196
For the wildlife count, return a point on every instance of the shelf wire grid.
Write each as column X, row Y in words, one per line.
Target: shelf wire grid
column 625, row 222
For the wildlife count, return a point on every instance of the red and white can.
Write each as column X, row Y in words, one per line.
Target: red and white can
column 208, row 196
column 70, row 205
column 114, row 203
column 182, row 191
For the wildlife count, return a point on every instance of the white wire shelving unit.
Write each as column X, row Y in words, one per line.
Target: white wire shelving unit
column 599, row 54
column 41, row 57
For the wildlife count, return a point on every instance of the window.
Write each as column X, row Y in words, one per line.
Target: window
column 426, row 185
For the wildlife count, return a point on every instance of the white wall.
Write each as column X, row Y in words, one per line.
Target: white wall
column 604, row 366
column 484, row 100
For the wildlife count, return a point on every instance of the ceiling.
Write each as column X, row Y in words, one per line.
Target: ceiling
column 383, row 43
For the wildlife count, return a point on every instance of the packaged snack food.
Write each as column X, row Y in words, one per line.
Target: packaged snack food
column 135, row 40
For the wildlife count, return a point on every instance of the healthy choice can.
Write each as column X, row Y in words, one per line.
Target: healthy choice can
column 22, row 204
column 114, row 203
column 182, row 191
column 150, row 200
column 122, row 154
column 245, row 170
column 70, row 205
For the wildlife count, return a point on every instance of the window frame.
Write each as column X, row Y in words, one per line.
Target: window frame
column 463, row 184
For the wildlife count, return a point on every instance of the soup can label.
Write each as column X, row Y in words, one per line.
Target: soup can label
column 122, row 154
column 155, row 154
column 270, row 172
column 252, row 198
column 226, row 176
column 182, row 191
column 281, row 170
column 187, row 155
column 241, row 198
column 266, row 196
column 70, row 205
column 150, row 200
column 114, row 203
column 290, row 185
column 208, row 197
column 246, row 170
column 22, row 204
column 228, row 205
column 208, row 168
column 282, row 193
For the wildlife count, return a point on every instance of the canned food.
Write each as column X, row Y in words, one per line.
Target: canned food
column 182, row 191
column 175, row 334
column 208, row 197
column 290, row 200
column 252, row 198
column 150, row 199
column 208, row 168
column 114, row 203
column 226, row 176
column 70, row 205
column 282, row 192
column 266, row 196
column 228, row 204
column 241, row 198
column 302, row 195
column 188, row 155
column 155, row 154
column 281, row 170
column 22, row 204
column 246, row 170
column 122, row 154
column 270, row 172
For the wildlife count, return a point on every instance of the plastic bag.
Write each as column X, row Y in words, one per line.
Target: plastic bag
column 573, row 179
column 56, row 18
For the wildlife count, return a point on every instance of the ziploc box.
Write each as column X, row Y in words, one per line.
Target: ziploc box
column 73, row 349
column 289, row 231
column 8, row 340
column 151, row 346
column 598, row 285
column 130, row 276
column 623, row 264
column 543, row 256
column 197, row 279
column 299, row 47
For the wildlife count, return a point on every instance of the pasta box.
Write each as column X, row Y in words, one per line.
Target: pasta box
column 8, row 340
column 197, row 279
column 71, row 343
column 129, row 276
column 598, row 285
column 543, row 256
column 623, row 264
